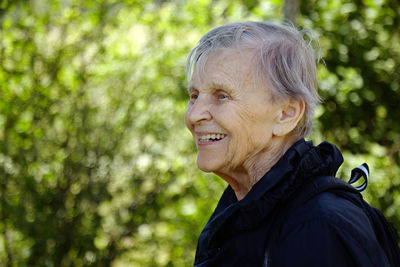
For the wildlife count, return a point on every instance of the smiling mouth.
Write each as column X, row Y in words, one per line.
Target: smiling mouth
column 207, row 138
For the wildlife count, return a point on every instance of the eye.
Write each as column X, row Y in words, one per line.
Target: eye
column 194, row 96
column 222, row 96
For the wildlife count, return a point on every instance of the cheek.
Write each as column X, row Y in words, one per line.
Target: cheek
column 253, row 130
column 245, row 141
column 239, row 122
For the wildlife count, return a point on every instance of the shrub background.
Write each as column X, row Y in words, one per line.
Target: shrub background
column 96, row 166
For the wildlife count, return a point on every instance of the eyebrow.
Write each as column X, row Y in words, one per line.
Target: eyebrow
column 213, row 85
column 221, row 86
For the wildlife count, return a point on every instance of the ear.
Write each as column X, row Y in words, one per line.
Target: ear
column 289, row 115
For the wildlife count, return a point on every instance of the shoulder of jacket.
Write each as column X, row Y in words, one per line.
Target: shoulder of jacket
column 328, row 222
column 330, row 209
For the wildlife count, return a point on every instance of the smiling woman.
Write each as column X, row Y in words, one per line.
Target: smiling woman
column 252, row 97
column 253, row 127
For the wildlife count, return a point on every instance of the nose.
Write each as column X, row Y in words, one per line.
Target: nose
column 198, row 111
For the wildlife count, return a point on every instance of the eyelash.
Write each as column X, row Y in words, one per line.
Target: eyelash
column 219, row 96
column 224, row 96
column 193, row 96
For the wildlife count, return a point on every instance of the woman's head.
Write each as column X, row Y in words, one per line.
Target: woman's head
column 282, row 60
column 252, row 95
column 231, row 117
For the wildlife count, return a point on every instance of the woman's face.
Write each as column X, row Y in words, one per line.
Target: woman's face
column 230, row 116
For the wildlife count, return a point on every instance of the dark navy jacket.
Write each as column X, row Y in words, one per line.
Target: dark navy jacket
column 327, row 230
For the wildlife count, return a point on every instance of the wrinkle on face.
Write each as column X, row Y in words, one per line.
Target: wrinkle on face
column 248, row 118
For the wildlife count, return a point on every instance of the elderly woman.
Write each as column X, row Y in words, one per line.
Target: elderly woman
column 252, row 97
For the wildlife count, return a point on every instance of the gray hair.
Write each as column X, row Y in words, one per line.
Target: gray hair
column 283, row 59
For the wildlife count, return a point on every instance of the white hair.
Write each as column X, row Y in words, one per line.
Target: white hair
column 283, row 59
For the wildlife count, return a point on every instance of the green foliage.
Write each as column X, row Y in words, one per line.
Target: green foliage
column 96, row 166
column 360, row 85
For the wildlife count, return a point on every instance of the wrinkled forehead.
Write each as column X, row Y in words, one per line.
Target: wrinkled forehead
column 238, row 64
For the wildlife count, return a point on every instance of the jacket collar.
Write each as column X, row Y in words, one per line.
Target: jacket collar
column 300, row 162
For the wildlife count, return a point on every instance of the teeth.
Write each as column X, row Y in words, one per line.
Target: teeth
column 207, row 137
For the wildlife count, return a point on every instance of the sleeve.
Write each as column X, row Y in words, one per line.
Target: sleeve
column 323, row 242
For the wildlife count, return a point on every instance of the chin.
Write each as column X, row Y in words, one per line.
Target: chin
column 206, row 165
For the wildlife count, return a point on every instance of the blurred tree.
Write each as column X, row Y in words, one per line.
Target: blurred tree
column 96, row 166
column 291, row 11
column 360, row 85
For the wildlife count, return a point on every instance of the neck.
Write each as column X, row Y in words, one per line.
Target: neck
column 244, row 178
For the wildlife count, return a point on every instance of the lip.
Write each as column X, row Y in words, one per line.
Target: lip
column 204, row 133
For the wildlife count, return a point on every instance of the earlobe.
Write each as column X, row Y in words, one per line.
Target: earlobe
column 289, row 116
